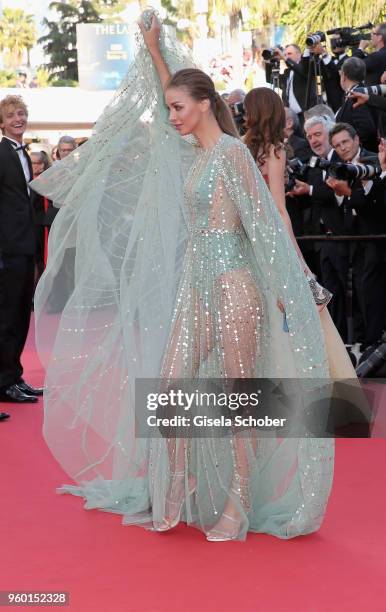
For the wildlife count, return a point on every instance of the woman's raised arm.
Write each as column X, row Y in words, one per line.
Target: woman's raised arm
column 152, row 38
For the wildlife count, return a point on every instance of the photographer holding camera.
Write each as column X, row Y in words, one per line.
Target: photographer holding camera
column 323, row 215
column 373, row 95
column 293, row 81
column 235, row 102
column 330, row 69
column 375, row 62
column 352, row 76
column 362, row 198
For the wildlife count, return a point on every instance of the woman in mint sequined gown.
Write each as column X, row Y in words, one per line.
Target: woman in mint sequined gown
column 177, row 285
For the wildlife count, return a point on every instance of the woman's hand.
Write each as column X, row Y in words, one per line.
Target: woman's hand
column 152, row 36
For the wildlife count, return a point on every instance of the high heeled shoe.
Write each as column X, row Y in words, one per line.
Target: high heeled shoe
column 171, row 522
column 240, row 488
column 218, row 535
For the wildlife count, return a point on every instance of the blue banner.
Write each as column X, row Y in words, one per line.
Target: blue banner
column 105, row 51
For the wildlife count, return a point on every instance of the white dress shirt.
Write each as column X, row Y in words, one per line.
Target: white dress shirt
column 292, row 101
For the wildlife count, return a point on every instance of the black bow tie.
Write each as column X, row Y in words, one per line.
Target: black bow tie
column 21, row 148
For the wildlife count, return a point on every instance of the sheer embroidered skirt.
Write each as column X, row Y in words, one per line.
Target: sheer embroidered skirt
column 219, row 331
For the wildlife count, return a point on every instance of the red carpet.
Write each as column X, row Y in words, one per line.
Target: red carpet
column 49, row 543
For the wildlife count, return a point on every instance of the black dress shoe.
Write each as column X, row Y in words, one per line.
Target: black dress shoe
column 27, row 389
column 4, row 416
column 16, row 396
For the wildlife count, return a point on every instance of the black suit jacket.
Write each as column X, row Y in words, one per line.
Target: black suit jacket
column 300, row 147
column 324, row 203
column 300, row 79
column 371, row 212
column 17, row 232
column 378, row 102
column 378, row 105
column 43, row 217
column 323, row 214
column 362, row 120
column 331, row 80
column 375, row 65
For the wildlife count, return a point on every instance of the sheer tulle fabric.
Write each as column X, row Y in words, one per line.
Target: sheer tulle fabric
column 174, row 260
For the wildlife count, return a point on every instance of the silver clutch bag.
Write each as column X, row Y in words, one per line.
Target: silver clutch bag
column 320, row 294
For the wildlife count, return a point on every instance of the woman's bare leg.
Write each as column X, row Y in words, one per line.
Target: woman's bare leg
column 241, row 314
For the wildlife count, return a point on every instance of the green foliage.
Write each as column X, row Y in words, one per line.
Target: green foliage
column 43, row 77
column 326, row 14
column 59, row 43
column 8, row 78
column 171, row 12
column 17, row 34
column 63, row 83
column 289, row 15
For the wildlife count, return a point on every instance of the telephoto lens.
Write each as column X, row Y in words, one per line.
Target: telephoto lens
column 346, row 172
column 376, row 90
column 315, row 39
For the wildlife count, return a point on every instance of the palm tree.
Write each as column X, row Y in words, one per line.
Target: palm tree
column 261, row 13
column 17, row 34
column 326, row 14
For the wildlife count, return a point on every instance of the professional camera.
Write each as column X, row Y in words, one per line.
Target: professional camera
column 347, row 171
column 351, row 172
column 349, row 37
column 272, row 66
column 237, row 109
column 315, row 38
column 319, row 162
column 270, row 55
column 296, row 170
column 238, row 113
column 376, row 90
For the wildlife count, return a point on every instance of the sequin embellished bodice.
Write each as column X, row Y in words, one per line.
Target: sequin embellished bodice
column 217, row 240
column 208, row 203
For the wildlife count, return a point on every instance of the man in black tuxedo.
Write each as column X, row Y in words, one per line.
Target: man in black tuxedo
column 375, row 62
column 366, row 199
column 294, row 80
column 330, row 68
column 17, row 247
column 352, row 76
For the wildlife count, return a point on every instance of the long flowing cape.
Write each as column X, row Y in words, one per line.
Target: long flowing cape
column 104, row 307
